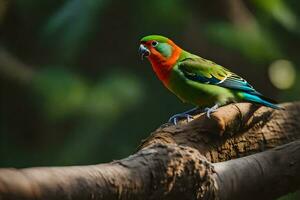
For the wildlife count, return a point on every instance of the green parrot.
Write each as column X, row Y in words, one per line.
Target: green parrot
column 196, row 80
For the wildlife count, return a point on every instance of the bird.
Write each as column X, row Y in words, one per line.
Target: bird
column 196, row 80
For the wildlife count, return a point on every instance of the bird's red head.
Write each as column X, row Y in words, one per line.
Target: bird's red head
column 162, row 53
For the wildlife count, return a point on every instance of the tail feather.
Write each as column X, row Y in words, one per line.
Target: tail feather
column 261, row 100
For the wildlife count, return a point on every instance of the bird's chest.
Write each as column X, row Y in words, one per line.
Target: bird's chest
column 189, row 91
column 163, row 72
column 183, row 88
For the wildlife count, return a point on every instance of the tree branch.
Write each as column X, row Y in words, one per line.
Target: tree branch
column 234, row 131
column 264, row 175
column 150, row 174
column 188, row 161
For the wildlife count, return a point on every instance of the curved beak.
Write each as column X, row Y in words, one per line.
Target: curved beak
column 144, row 51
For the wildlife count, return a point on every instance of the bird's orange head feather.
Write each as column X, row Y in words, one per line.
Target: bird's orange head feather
column 163, row 54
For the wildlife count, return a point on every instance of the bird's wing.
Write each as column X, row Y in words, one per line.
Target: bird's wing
column 208, row 72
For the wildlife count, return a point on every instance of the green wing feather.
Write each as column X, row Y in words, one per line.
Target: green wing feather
column 208, row 72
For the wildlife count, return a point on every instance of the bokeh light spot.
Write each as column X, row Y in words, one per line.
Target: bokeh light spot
column 282, row 74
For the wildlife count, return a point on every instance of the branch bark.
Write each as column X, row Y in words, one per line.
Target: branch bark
column 264, row 175
column 189, row 161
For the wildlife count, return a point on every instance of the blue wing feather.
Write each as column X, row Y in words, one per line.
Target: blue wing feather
column 234, row 81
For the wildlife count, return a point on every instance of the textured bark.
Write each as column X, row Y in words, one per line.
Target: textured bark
column 187, row 161
column 234, row 131
column 159, row 171
column 264, row 175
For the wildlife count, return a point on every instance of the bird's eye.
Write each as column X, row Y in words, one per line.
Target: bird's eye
column 154, row 43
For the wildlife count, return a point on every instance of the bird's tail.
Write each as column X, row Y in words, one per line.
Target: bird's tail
column 260, row 99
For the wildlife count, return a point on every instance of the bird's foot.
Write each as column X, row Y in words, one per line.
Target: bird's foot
column 175, row 118
column 188, row 115
column 211, row 110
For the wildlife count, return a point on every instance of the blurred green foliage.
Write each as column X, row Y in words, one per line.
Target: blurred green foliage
column 292, row 196
column 91, row 99
column 251, row 41
column 280, row 11
column 59, row 92
column 72, row 24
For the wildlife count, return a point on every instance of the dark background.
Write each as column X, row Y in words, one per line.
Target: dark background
column 73, row 87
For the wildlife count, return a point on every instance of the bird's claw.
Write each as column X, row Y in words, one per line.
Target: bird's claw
column 211, row 110
column 174, row 119
column 208, row 112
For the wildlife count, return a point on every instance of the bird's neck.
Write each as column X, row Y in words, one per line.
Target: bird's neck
column 163, row 66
